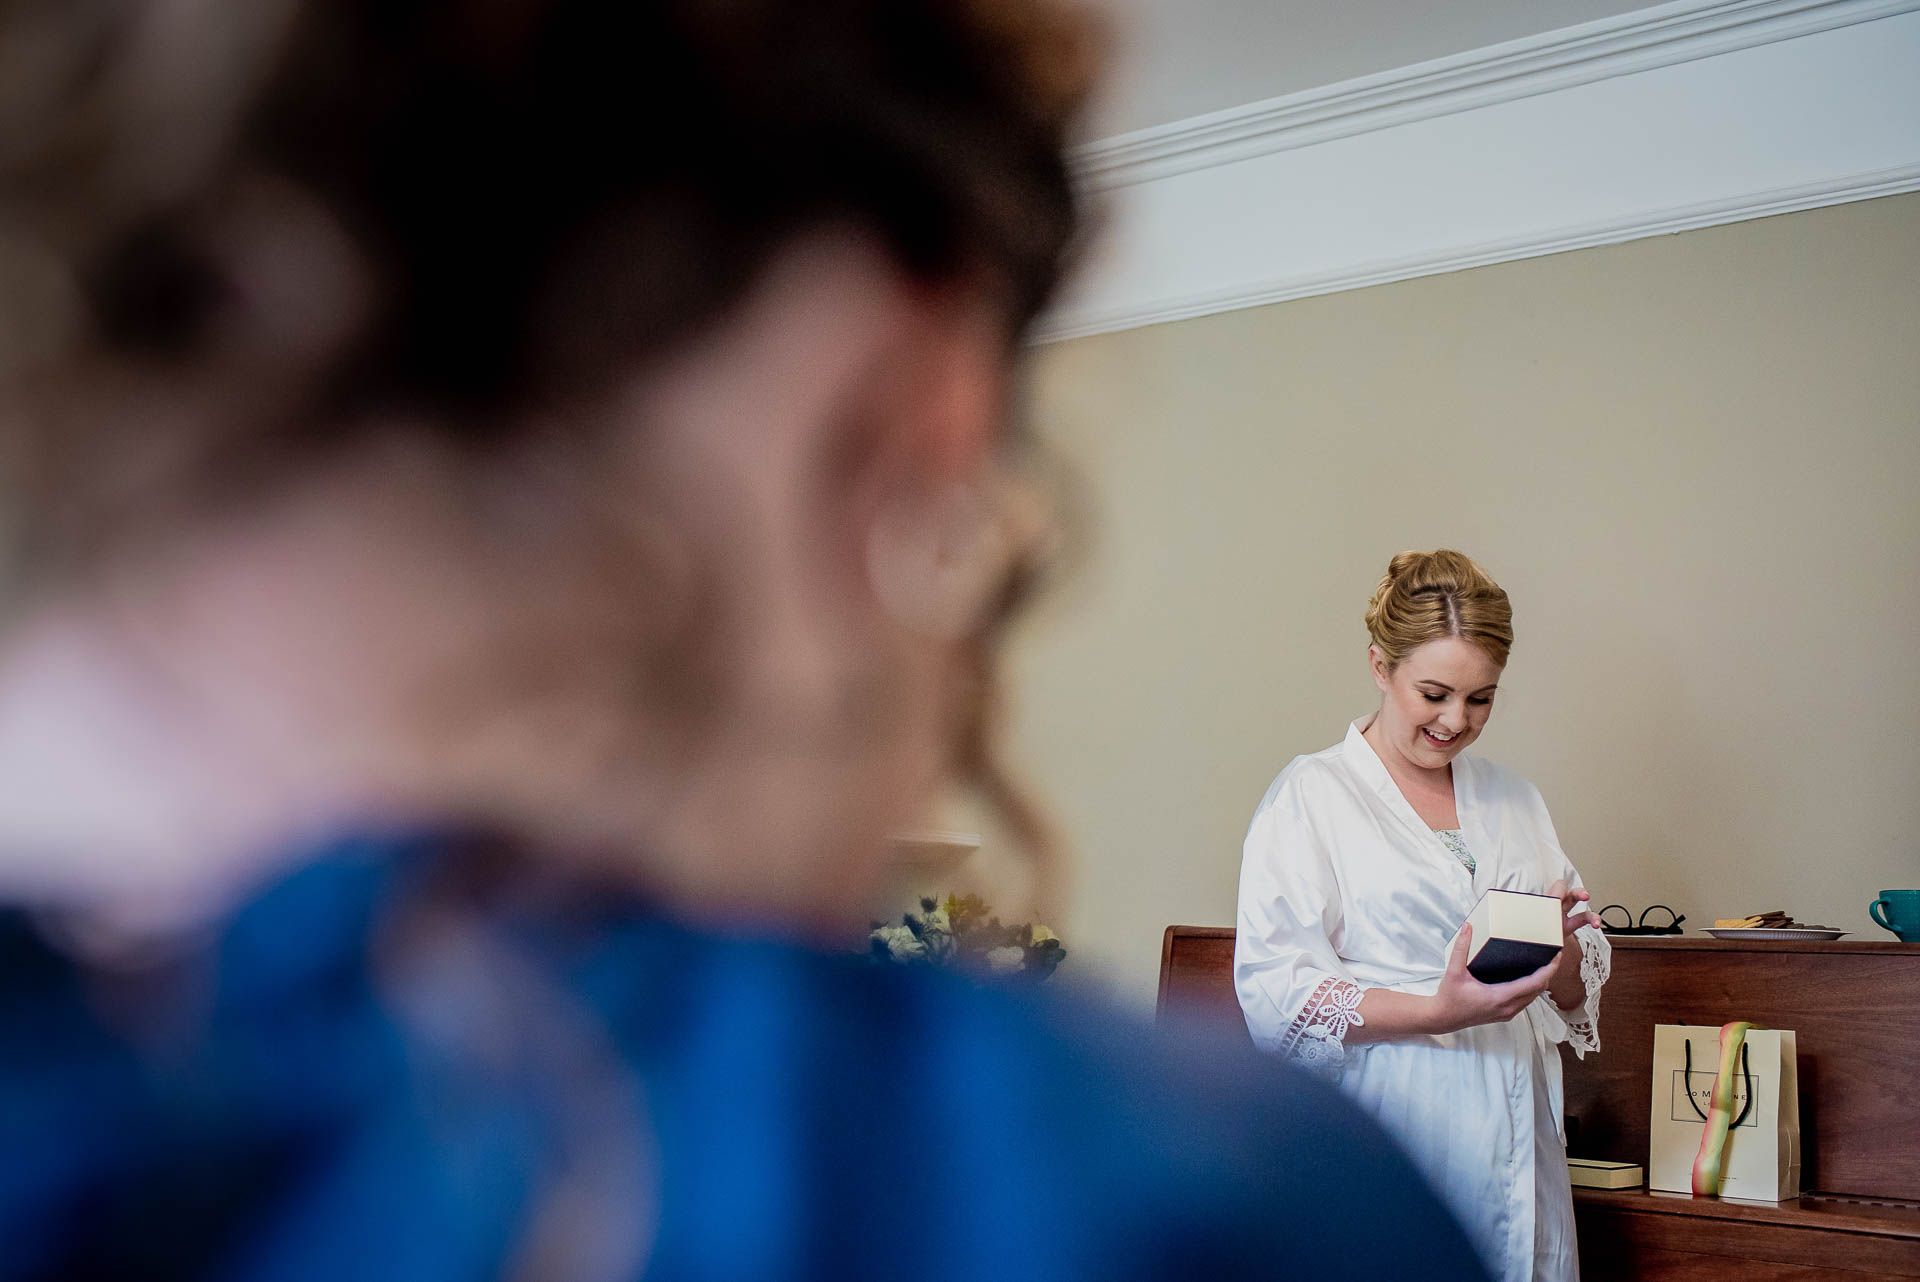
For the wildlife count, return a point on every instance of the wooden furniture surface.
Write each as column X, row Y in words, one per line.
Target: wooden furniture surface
column 1670, row 1236
column 1196, row 977
column 1855, row 1012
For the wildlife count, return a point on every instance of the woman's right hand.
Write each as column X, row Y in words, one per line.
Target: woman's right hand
column 1462, row 1001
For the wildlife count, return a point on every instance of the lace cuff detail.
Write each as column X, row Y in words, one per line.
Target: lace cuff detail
column 1582, row 1024
column 1317, row 1035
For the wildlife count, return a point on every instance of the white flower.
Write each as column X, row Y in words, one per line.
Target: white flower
column 901, row 945
column 1007, row 960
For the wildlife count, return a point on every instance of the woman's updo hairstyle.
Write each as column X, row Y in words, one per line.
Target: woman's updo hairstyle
column 1429, row 595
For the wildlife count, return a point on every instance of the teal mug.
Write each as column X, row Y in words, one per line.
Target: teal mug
column 1899, row 912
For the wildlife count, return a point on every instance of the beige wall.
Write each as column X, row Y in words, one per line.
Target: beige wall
column 1694, row 461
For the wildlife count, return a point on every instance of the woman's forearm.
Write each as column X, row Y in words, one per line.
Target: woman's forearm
column 1386, row 1014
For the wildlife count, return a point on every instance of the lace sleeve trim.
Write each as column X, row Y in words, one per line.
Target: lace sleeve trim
column 1583, row 1025
column 1317, row 1035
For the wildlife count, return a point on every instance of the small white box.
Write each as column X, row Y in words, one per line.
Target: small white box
column 1514, row 934
column 1591, row 1173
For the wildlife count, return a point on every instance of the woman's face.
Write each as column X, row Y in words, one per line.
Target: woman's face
column 1437, row 701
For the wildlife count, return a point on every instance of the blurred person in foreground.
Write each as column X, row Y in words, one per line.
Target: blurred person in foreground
column 505, row 505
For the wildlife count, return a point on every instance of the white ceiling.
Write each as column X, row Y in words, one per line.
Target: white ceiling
column 1665, row 118
column 1180, row 58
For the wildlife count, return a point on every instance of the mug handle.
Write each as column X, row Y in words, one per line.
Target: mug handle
column 1874, row 911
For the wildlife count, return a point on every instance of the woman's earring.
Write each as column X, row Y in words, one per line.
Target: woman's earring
column 935, row 565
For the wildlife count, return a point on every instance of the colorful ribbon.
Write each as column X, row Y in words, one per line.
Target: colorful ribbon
column 1710, row 1163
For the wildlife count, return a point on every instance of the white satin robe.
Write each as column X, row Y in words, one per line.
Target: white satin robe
column 1344, row 888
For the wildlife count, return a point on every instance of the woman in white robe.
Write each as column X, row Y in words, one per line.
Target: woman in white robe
column 1360, row 866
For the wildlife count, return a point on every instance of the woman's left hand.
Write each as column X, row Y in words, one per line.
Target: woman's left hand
column 1567, row 988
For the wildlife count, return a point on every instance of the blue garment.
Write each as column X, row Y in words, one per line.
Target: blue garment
column 377, row 1070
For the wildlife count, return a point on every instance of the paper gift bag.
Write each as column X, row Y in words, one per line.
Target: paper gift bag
column 1762, row 1156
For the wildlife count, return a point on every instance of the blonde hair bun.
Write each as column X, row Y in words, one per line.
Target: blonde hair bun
column 1425, row 596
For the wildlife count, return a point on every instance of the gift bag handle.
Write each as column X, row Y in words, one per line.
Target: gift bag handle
column 1745, row 1072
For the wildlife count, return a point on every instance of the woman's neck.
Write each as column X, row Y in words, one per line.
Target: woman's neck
column 168, row 726
column 1413, row 779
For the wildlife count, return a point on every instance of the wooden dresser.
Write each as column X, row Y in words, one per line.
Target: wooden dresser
column 1855, row 1008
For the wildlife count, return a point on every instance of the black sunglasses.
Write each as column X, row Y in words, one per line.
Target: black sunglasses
column 1630, row 926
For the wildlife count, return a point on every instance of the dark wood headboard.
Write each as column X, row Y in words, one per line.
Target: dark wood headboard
column 1854, row 1006
column 1196, row 977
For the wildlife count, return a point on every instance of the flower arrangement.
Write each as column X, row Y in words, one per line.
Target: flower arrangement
column 959, row 933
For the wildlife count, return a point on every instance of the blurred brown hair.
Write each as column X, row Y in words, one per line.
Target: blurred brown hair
column 235, row 238
column 534, row 193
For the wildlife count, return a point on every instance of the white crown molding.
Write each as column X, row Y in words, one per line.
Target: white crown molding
column 1825, row 109
column 1886, row 182
column 1640, row 41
